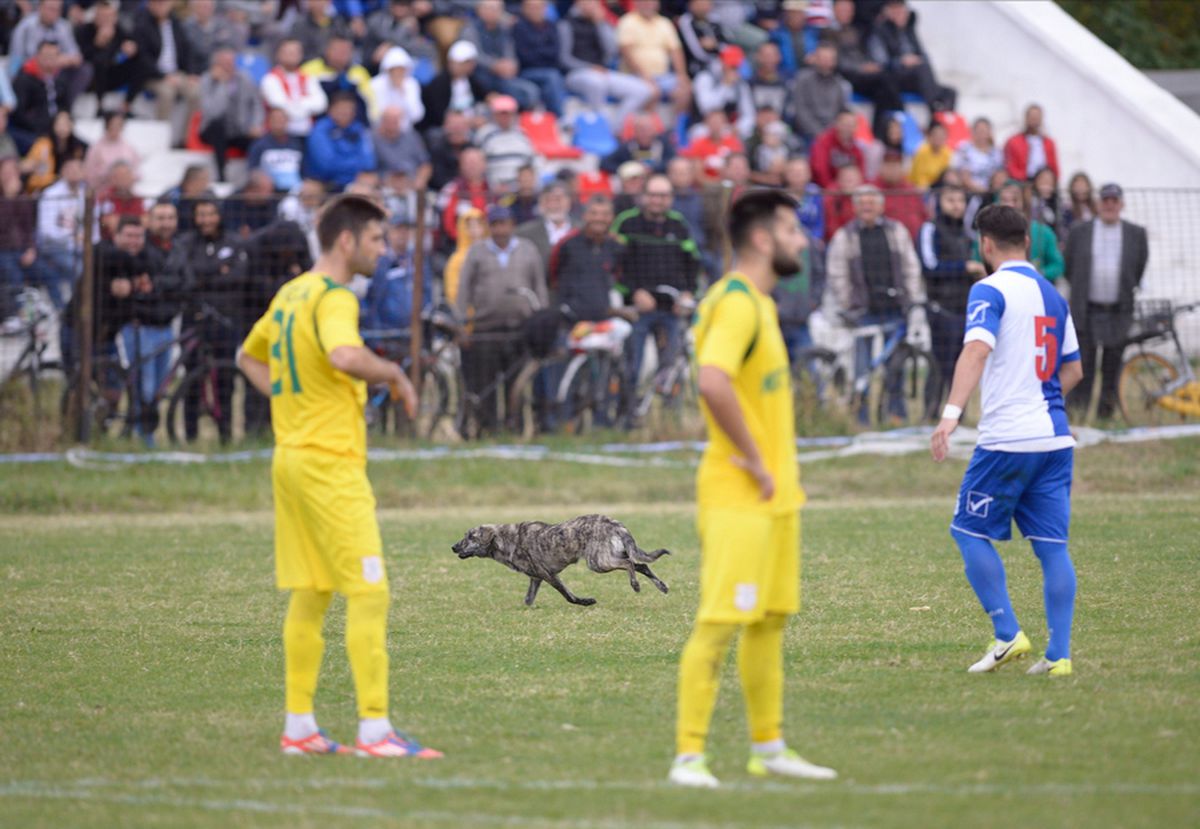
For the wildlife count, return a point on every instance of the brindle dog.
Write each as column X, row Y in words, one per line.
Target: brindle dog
column 541, row 551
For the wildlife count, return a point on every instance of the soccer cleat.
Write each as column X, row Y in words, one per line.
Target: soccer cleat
column 1001, row 653
column 1056, row 667
column 692, row 773
column 316, row 743
column 397, row 744
column 788, row 763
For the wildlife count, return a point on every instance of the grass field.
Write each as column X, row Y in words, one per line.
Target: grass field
column 141, row 661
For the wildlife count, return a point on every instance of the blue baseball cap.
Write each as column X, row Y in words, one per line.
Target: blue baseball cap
column 499, row 213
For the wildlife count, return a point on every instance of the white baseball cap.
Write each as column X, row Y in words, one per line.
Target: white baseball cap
column 396, row 57
column 462, row 51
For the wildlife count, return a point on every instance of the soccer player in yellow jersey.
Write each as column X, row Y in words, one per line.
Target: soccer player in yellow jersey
column 748, row 497
column 306, row 353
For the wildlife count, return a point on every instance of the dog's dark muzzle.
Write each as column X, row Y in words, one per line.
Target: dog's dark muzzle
column 461, row 551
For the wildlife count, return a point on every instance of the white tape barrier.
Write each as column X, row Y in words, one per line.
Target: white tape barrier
column 662, row 455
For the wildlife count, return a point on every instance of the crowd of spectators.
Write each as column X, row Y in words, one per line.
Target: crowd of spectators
column 389, row 98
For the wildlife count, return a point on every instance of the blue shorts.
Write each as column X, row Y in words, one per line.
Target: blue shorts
column 1032, row 487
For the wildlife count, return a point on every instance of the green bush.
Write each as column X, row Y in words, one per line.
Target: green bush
column 1150, row 34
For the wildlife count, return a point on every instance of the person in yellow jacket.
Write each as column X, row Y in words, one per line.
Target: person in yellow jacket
column 931, row 158
column 471, row 228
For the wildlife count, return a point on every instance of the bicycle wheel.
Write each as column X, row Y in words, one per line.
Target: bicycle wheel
column 576, row 395
column 107, row 414
column 209, row 405
column 818, row 385
column 902, row 401
column 520, row 414
column 1144, row 379
column 680, row 398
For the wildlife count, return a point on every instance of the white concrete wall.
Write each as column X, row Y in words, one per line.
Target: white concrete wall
column 1106, row 116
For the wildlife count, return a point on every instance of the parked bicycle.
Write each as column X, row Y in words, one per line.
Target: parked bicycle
column 1154, row 389
column 35, row 370
column 590, row 391
column 669, row 382
column 115, row 406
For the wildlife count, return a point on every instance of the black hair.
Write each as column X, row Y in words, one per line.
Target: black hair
column 346, row 212
column 127, row 221
column 343, row 95
column 109, row 114
column 49, row 41
column 755, row 209
column 1006, row 226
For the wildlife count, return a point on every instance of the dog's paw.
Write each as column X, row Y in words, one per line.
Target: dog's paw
column 662, row 587
column 585, row 602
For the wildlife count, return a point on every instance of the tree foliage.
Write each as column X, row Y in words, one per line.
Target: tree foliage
column 1150, row 34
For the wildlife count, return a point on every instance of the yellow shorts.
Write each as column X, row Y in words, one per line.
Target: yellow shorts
column 749, row 565
column 326, row 534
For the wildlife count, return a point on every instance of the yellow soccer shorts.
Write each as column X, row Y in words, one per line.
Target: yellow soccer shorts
column 326, row 533
column 749, row 565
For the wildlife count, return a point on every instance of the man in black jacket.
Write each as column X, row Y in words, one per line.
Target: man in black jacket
column 165, row 56
column 659, row 253
column 1105, row 261
column 894, row 44
column 215, row 286
column 944, row 247
column 41, row 91
column 583, row 266
column 150, row 282
column 459, row 86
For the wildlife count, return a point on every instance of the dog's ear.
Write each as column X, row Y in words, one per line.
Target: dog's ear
column 495, row 540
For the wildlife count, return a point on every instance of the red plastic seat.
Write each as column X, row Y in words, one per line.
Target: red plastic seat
column 592, row 184
column 542, row 130
column 957, row 128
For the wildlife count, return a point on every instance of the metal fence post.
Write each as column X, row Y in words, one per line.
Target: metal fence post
column 87, row 317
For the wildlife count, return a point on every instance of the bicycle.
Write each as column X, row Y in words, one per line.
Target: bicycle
column 590, row 391
column 115, row 387
column 891, row 389
column 1153, row 390
column 441, row 389
column 672, row 383
column 42, row 376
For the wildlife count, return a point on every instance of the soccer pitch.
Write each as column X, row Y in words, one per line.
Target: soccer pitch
column 142, row 664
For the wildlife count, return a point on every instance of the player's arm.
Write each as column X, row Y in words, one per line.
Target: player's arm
column 256, row 371
column 337, row 332
column 716, row 388
column 1070, row 370
column 967, row 372
column 253, row 354
column 1069, row 375
column 985, row 307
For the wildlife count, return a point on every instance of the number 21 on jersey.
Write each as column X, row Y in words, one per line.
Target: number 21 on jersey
column 1047, row 343
column 283, row 355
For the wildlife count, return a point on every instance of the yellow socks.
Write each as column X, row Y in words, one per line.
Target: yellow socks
column 760, row 663
column 303, row 647
column 366, row 637
column 699, row 681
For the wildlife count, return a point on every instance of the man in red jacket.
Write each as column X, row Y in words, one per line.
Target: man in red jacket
column 835, row 148
column 1030, row 150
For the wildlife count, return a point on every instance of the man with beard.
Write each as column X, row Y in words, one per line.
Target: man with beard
column 307, row 354
column 748, row 497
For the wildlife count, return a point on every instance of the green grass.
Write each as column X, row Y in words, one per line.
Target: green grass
column 139, row 645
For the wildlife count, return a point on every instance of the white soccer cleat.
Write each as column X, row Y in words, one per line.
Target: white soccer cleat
column 1056, row 667
column 1001, row 653
column 693, row 773
column 788, row 763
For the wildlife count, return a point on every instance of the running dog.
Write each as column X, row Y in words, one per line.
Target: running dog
column 542, row 551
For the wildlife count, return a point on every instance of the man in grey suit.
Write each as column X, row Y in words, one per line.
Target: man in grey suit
column 1105, row 261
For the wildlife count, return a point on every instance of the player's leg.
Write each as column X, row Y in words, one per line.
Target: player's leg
column 298, row 569
column 1044, row 517
column 733, row 559
column 760, row 660
column 990, row 489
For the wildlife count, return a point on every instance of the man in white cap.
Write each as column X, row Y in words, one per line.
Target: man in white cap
column 394, row 86
column 457, row 87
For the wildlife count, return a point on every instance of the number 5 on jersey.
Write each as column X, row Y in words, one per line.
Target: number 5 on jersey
column 1047, row 341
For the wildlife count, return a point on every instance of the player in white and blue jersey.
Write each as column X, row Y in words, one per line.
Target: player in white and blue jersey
column 1021, row 342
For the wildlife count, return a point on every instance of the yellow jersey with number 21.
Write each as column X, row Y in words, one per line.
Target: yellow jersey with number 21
column 737, row 331
column 313, row 405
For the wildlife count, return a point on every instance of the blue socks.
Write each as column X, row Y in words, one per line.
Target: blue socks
column 985, row 572
column 1058, row 579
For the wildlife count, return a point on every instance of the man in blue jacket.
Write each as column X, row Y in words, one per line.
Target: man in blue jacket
column 340, row 147
column 388, row 303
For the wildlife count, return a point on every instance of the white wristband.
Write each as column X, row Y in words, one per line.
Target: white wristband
column 951, row 412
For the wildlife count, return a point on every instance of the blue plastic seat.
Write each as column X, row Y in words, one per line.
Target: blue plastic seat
column 254, row 65
column 592, row 134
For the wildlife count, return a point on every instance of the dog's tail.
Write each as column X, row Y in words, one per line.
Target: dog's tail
column 643, row 557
